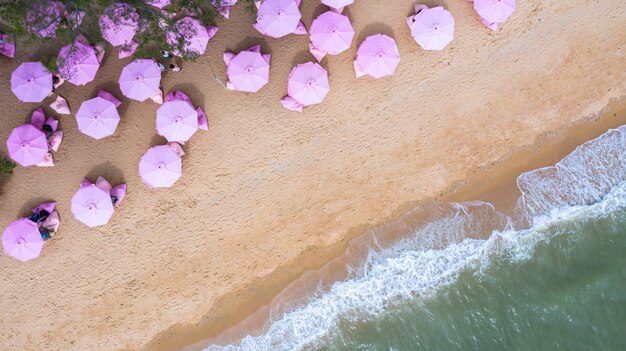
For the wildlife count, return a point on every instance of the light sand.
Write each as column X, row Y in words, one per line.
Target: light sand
column 268, row 193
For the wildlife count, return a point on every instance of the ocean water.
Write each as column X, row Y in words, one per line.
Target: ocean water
column 550, row 276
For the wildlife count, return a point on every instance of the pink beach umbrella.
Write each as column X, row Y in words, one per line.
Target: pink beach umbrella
column 119, row 24
column 160, row 167
column 44, row 17
column 494, row 11
column 378, row 57
column 194, row 36
column 78, row 63
column 277, row 18
column 27, row 145
column 337, row 5
column 92, row 206
column 177, row 120
column 432, row 28
column 158, row 3
column 31, row 82
column 140, row 79
column 97, row 118
column 248, row 70
column 331, row 33
column 308, row 83
column 22, row 240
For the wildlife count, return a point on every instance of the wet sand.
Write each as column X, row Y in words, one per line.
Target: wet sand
column 267, row 193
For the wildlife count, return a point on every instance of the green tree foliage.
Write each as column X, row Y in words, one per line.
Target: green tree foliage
column 6, row 166
column 17, row 17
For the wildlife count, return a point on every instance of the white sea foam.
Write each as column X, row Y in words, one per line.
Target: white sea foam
column 590, row 182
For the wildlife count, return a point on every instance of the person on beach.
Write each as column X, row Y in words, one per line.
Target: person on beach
column 39, row 217
column 166, row 54
column 161, row 67
column 174, row 67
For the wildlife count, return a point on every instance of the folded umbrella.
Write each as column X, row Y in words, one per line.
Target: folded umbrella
column 119, row 24
column 97, row 118
column 27, row 145
column 494, row 11
column 60, row 106
column 248, row 70
column 140, row 79
column 78, row 63
column 378, row 57
column 160, row 167
column 177, row 120
column 31, row 82
column 308, row 83
column 277, row 18
column 432, row 28
column 331, row 33
column 22, row 240
column 92, row 206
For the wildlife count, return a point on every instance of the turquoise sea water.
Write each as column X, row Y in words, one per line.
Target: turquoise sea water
column 551, row 276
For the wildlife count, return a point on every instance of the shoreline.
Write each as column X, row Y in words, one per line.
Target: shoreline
column 494, row 183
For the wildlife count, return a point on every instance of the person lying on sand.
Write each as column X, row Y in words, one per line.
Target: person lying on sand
column 39, row 216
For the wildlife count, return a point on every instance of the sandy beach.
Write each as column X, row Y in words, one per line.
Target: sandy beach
column 267, row 193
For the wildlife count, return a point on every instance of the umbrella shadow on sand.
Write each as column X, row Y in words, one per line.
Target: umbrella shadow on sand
column 26, row 208
column 250, row 41
column 113, row 87
column 375, row 28
column 157, row 140
column 107, row 170
column 303, row 56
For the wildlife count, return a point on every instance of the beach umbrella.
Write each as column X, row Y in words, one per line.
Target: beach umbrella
column 308, row 83
column 248, row 70
column 378, row 56
column 22, row 240
column 140, row 79
column 160, row 167
column 31, row 82
column 158, row 3
column 192, row 33
column 44, row 17
column 97, row 117
column 337, row 5
column 119, row 24
column 494, row 11
column 92, row 206
column 27, row 145
column 177, row 120
column 277, row 18
column 433, row 28
column 78, row 63
column 331, row 33
column 223, row 6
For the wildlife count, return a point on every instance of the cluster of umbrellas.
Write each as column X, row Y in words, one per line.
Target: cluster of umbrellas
column 177, row 120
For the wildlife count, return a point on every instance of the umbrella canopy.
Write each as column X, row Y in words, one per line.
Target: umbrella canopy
column 21, row 239
column 27, row 145
column 433, row 28
column 378, row 56
column 278, row 18
column 78, row 63
column 308, row 83
column 194, row 36
column 158, row 3
column 337, row 4
column 44, row 17
column 494, row 11
column 119, row 24
column 7, row 48
column 160, row 167
column 31, row 82
column 92, row 206
column 140, row 79
column 248, row 71
column 97, row 118
column 331, row 32
column 177, row 120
